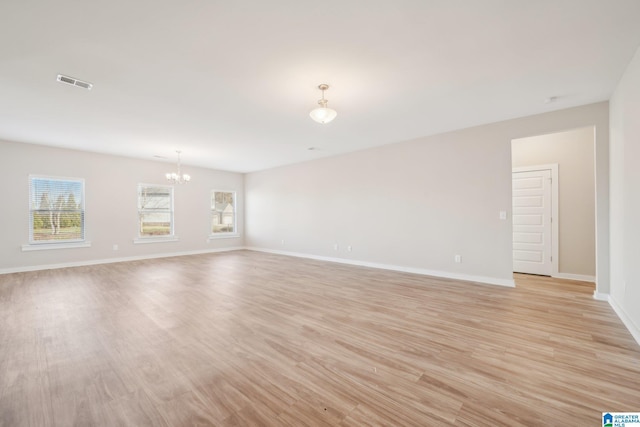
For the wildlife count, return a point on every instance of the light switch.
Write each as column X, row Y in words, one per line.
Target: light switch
column 503, row 215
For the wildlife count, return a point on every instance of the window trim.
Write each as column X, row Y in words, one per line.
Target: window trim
column 48, row 246
column 152, row 239
column 56, row 244
column 227, row 234
column 155, row 239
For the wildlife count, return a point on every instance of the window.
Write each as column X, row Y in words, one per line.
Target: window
column 56, row 210
column 155, row 211
column 223, row 213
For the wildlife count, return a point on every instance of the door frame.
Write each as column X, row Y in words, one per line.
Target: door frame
column 555, row 229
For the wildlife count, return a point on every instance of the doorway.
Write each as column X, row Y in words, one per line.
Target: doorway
column 572, row 220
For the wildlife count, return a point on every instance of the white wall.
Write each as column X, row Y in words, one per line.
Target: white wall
column 110, row 205
column 573, row 151
column 625, row 197
column 412, row 205
column 415, row 204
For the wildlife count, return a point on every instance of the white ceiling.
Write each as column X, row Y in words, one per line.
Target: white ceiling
column 231, row 83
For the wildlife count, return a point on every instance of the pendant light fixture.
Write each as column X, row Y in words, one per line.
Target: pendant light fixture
column 323, row 114
column 178, row 177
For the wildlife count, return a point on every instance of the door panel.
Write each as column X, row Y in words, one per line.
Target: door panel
column 532, row 222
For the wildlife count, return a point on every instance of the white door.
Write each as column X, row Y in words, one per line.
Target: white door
column 532, row 222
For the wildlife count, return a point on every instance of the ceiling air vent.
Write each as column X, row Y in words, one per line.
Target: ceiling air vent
column 74, row 82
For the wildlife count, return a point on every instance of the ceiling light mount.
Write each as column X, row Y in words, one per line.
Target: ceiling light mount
column 178, row 177
column 323, row 114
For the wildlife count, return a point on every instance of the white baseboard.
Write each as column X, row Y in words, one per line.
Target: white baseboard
column 112, row 260
column 422, row 271
column 580, row 277
column 425, row 272
column 600, row 296
column 631, row 326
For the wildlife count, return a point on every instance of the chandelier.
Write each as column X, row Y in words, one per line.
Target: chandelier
column 179, row 177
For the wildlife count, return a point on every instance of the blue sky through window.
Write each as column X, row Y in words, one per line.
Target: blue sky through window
column 55, row 188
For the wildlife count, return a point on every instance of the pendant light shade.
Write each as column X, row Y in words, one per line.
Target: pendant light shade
column 323, row 114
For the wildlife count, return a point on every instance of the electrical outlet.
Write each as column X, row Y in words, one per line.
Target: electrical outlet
column 335, row 247
column 282, row 242
column 503, row 215
column 115, row 247
column 457, row 259
column 349, row 248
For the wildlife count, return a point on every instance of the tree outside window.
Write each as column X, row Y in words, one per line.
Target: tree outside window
column 56, row 209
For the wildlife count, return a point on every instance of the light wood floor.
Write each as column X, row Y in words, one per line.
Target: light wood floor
column 246, row 338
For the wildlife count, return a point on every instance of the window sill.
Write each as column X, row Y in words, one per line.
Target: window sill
column 223, row 236
column 48, row 246
column 144, row 240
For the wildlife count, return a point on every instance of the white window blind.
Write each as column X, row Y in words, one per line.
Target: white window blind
column 155, row 210
column 56, row 210
column 223, row 212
